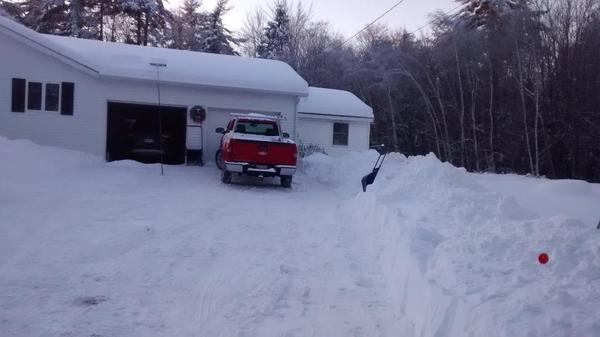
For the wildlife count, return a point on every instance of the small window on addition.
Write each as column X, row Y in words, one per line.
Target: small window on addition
column 340, row 134
column 34, row 96
column 52, row 91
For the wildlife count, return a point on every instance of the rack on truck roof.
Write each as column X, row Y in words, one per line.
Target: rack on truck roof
column 257, row 115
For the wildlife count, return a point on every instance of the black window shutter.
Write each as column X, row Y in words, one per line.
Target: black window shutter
column 66, row 98
column 18, row 95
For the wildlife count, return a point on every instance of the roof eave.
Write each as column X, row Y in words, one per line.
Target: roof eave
column 209, row 86
column 335, row 116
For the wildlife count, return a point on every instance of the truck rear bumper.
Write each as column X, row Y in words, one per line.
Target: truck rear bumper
column 260, row 170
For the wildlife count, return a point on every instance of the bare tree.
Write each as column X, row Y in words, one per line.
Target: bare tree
column 252, row 32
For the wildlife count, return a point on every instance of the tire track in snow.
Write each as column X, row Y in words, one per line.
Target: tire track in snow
column 239, row 288
column 328, row 293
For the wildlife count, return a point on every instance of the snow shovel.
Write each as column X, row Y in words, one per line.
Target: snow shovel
column 369, row 179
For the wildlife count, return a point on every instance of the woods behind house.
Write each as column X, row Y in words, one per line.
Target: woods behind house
column 495, row 85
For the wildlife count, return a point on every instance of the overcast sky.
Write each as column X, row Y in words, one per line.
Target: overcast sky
column 345, row 16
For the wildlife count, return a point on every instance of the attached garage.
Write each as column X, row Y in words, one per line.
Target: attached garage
column 133, row 133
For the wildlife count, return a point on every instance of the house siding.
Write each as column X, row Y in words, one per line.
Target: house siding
column 84, row 131
column 319, row 131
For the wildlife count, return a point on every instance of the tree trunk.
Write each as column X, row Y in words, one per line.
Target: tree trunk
column 492, row 163
column 444, row 121
column 101, row 32
column 535, row 134
column 430, row 111
column 524, row 109
column 146, row 26
column 76, row 11
column 138, row 32
column 474, row 89
column 462, row 108
column 393, row 118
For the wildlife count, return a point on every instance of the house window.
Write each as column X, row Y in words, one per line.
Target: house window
column 34, row 96
column 340, row 134
column 18, row 95
column 52, row 91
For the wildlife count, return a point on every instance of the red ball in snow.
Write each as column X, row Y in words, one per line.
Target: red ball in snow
column 543, row 258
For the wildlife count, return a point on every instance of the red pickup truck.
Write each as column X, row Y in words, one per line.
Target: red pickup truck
column 255, row 145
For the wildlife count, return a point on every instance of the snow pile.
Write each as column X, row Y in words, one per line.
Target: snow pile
column 23, row 161
column 575, row 198
column 461, row 260
column 342, row 173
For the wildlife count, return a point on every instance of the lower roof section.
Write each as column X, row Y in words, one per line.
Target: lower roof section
column 333, row 103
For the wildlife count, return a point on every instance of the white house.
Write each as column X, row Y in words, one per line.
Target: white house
column 93, row 96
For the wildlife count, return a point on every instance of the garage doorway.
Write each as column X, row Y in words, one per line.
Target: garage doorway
column 132, row 133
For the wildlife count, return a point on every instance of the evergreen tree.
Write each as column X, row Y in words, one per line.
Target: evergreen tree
column 487, row 12
column 148, row 18
column 68, row 18
column 276, row 38
column 102, row 11
column 217, row 39
column 81, row 21
column 44, row 16
column 10, row 9
column 186, row 27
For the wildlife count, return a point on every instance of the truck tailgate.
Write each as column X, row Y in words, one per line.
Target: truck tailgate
column 264, row 152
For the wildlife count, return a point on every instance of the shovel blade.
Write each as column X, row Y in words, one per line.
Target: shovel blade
column 369, row 179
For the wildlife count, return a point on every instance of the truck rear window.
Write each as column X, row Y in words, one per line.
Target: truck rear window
column 252, row 127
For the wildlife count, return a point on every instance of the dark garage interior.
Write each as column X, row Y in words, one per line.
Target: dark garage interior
column 133, row 130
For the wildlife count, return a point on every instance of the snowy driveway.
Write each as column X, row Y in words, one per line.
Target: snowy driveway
column 105, row 250
column 117, row 250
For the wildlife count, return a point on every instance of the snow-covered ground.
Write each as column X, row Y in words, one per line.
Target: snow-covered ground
column 89, row 248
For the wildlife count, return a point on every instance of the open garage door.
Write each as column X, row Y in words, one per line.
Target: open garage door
column 133, row 133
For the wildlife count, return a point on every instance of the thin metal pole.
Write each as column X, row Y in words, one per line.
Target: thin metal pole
column 160, row 135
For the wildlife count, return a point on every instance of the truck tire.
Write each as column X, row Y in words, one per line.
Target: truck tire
column 286, row 181
column 219, row 160
column 226, row 177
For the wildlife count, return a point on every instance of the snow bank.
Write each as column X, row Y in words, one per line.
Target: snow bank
column 574, row 198
column 461, row 260
column 37, row 164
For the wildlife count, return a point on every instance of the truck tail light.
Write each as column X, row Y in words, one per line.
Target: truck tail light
column 229, row 148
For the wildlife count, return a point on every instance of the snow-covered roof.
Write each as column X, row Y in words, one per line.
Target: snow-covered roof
column 121, row 60
column 334, row 103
